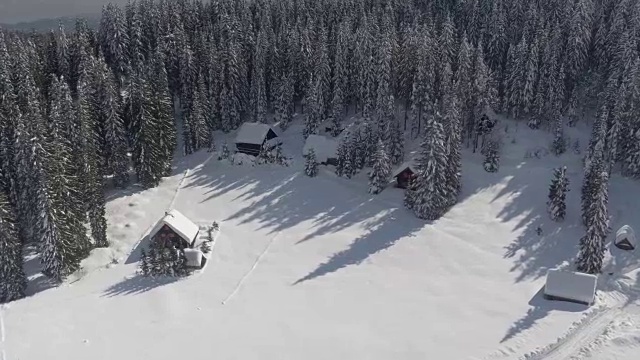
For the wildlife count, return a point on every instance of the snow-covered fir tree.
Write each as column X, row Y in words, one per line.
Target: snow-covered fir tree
column 144, row 263
column 592, row 244
column 105, row 107
column 379, row 174
column 314, row 109
column 311, row 163
column 430, row 198
column 13, row 281
column 396, row 143
column 559, row 144
column 491, row 152
column 556, row 205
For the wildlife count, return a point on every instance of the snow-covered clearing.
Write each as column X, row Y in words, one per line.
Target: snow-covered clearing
column 316, row 268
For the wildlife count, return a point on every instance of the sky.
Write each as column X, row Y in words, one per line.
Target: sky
column 14, row 11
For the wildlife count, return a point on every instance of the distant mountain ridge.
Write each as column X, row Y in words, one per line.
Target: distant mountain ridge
column 47, row 24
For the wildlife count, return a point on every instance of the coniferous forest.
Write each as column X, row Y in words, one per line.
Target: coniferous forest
column 82, row 106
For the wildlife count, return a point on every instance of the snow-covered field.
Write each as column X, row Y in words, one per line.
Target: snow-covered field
column 316, row 268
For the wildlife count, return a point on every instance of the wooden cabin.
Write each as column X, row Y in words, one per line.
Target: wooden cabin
column 253, row 136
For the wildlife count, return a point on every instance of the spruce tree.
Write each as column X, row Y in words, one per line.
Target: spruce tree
column 13, row 281
column 379, row 175
column 284, row 101
column 88, row 144
column 161, row 109
column 556, row 205
column 314, row 110
column 144, row 263
column 107, row 114
column 430, row 194
column 491, row 152
column 396, row 142
column 311, row 164
column 592, row 244
column 559, row 145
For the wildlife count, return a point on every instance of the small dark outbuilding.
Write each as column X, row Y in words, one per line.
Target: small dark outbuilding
column 404, row 174
column 253, row 136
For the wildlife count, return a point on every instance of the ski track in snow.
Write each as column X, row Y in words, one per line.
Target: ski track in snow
column 570, row 345
column 255, row 264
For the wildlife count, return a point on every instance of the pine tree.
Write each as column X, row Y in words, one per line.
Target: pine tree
column 65, row 241
column 13, row 281
column 559, row 145
column 409, row 199
column 87, row 143
column 144, row 263
column 491, row 152
column 258, row 101
column 556, row 206
column 114, row 40
column 429, row 200
column 224, row 153
column 340, row 79
column 592, row 244
column 314, row 110
column 105, row 109
column 379, row 175
column 284, row 102
column 396, row 143
column 161, row 109
column 311, row 164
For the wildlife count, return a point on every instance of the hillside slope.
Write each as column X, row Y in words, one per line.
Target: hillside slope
column 316, row 268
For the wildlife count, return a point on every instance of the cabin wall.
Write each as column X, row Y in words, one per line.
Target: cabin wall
column 249, row 149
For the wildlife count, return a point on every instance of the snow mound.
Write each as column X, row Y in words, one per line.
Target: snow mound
column 243, row 159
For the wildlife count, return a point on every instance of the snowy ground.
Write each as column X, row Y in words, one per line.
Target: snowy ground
column 317, row 268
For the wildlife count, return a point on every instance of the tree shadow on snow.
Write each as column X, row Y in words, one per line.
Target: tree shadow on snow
column 540, row 308
column 526, row 196
column 282, row 198
column 136, row 253
column 380, row 236
column 138, row 284
column 36, row 281
column 180, row 164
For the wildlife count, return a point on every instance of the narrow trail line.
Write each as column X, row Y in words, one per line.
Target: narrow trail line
column 255, row 264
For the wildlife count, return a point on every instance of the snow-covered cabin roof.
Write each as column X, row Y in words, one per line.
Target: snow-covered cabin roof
column 571, row 286
column 411, row 164
column 178, row 223
column 323, row 146
column 626, row 238
column 253, row 133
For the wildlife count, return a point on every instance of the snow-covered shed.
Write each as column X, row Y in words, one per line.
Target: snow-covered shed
column 252, row 136
column 626, row 238
column 194, row 258
column 570, row 286
column 404, row 173
column 175, row 229
column 325, row 148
